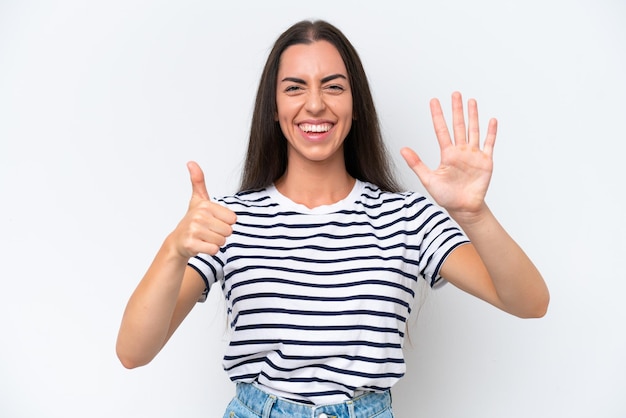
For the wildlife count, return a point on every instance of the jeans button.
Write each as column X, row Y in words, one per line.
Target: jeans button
column 322, row 415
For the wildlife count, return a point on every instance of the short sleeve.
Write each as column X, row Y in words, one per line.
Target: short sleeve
column 439, row 234
column 210, row 270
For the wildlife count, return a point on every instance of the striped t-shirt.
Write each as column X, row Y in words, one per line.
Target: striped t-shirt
column 318, row 299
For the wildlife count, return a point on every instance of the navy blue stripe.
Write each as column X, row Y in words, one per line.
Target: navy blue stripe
column 323, row 313
column 382, row 330
column 205, row 261
column 324, row 286
column 390, row 212
column 326, row 235
column 318, row 313
column 323, row 261
column 443, row 259
column 320, row 248
column 321, row 273
column 320, row 299
column 308, row 358
column 316, row 343
column 334, row 370
column 204, row 279
column 456, row 233
column 345, row 357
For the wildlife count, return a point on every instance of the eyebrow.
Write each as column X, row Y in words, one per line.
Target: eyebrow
column 324, row 80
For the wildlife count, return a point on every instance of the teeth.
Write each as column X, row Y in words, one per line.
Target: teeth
column 307, row 127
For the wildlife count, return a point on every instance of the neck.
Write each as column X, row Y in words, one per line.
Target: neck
column 313, row 188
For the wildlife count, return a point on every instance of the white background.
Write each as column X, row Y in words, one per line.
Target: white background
column 103, row 103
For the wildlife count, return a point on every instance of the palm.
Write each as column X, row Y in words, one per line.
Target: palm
column 460, row 182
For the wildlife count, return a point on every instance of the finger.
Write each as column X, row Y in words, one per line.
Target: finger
column 439, row 123
column 213, row 216
column 490, row 140
column 225, row 215
column 215, row 231
column 203, row 241
column 208, row 224
column 473, row 128
column 198, row 186
column 458, row 119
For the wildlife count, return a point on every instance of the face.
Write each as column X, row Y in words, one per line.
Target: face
column 314, row 103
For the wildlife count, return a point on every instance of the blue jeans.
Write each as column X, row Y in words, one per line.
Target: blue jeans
column 252, row 402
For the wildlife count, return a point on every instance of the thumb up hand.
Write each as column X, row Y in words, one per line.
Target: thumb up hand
column 206, row 224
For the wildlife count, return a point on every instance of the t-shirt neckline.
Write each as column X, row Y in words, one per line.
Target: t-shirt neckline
column 345, row 203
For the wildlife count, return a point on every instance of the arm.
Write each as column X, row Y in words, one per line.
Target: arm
column 169, row 289
column 493, row 268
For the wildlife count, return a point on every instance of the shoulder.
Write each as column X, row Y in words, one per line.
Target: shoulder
column 259, row 198
column 373, row 196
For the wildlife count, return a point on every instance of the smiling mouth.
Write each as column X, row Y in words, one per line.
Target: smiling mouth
column 311, row 128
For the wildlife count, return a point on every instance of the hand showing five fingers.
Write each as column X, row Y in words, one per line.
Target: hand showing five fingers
column 460, row 182
column 206, row 224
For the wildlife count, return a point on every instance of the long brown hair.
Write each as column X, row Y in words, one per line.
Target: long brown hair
column 365, row 154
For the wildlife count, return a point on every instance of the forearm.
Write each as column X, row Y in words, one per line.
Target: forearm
column 147, row 319
column 169, row 290
column 518, row 284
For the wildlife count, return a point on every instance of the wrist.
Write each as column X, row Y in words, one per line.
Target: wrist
column 471, row 219
column 174, row 253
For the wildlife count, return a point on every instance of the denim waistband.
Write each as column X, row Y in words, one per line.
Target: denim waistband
column 270, row 406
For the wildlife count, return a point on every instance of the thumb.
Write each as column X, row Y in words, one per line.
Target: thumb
column 198, row 187
column 415, row 162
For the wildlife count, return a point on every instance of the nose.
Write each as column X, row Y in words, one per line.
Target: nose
column 315, row 101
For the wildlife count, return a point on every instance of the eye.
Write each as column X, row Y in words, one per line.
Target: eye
column 335, row 88
column 293, row 89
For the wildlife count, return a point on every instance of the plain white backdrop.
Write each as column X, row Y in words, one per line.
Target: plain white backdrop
column 103, row 103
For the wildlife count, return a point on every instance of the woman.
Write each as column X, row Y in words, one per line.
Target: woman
column 319, row 255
